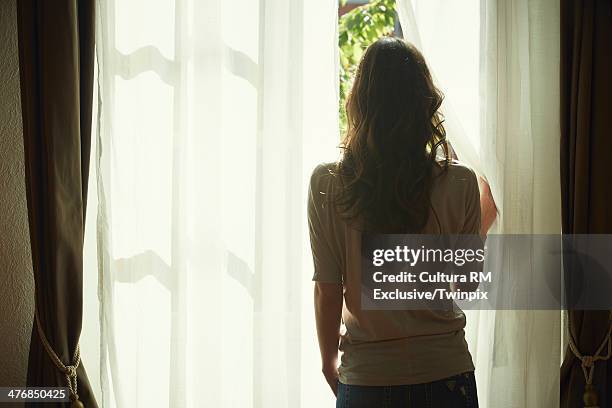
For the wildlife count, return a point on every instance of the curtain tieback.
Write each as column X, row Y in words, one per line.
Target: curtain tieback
column 70, row 371
column 590, row 397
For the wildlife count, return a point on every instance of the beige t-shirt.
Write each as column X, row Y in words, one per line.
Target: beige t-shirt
column 392, row 347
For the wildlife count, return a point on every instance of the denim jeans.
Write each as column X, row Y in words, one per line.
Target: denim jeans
column 458, row 391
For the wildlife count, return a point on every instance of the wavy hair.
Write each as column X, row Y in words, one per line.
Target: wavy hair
column 394, row 133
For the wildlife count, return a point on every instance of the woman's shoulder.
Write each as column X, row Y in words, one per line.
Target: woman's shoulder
column 451, row 171
column 454, row 196
column 457, row 171
column 455, row 181
column 324, row 169
column 322, row 174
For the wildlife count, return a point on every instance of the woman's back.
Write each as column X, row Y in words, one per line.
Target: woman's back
column 392, row 347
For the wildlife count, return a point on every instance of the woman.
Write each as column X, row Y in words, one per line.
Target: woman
column 390, row 179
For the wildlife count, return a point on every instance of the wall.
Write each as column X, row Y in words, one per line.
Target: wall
column 16, row 282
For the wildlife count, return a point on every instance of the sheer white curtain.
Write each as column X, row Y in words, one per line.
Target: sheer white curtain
column 497, row 61
column 212, row 114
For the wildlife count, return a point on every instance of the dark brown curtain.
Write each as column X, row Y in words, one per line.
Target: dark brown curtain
column 56, row 59
column 586, row 175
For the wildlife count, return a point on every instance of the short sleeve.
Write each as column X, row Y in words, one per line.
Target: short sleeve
column 472, row 221
column 320, row 223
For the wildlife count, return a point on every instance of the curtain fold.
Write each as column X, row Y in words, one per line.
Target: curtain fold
column 516, row 58
column 56, row 49
column 519, row 88
column 213, row 114
column 586, row 105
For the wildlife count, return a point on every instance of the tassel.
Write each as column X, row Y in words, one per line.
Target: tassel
column 77, row 404
column 590, row 397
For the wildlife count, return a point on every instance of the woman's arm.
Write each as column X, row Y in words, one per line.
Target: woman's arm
column 328, row 313
column 488, row 209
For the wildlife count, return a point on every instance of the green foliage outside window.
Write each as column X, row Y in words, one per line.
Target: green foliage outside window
column 357, row 29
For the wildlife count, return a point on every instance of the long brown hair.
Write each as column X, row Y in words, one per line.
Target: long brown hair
column 394, row 131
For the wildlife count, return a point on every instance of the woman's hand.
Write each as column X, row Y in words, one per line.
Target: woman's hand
column 488, row 209
column 331, row 376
